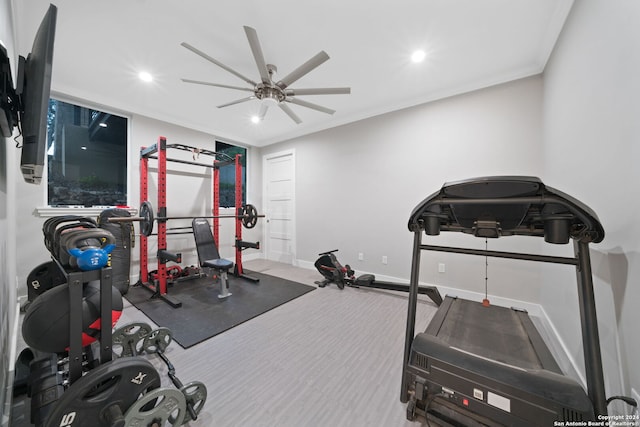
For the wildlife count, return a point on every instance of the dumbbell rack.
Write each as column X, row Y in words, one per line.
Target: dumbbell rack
column 76, row 279
column 48, row 386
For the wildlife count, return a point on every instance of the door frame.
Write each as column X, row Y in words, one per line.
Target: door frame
column 265, row 197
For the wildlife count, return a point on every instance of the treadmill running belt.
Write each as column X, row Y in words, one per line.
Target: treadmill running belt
column 491, row 332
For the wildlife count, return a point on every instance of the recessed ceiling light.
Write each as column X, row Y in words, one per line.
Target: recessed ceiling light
column 418, row 56
column 145, row 77
column 255, row 119
column 103, row 125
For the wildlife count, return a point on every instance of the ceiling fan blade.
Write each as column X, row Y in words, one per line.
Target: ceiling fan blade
column 218, row 63
column 263, row 110
column 319, row 91
column 303, row 69
column 237, row 101
column 310, row 105
column 290, row 113
column 217, row 85
column 252, row 36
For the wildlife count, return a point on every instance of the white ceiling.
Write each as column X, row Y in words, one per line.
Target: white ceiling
column 101, row 46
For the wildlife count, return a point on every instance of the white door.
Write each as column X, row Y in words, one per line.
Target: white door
column 279, row 196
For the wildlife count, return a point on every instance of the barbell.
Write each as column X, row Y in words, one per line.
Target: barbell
column 248, row 214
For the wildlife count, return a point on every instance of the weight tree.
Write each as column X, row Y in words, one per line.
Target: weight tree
column 159, row 151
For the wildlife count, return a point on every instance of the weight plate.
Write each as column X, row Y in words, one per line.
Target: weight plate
column 146, row 213
column 157, row 408
column 157, row 340
column 44, row 277
column 250, row 216
column 45, row 326
column 128, row 339
column 195, row 394
column 118, row 382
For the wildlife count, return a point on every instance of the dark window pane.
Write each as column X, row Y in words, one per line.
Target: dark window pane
column 87, row 156
column 228, row 175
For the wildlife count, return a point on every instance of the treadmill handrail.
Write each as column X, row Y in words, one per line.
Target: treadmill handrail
column 502, row 254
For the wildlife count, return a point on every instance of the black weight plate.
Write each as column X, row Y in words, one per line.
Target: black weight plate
column 118, row 382
column 146, row 213
column 45, row 326
column 44, row 277
column 250, row 216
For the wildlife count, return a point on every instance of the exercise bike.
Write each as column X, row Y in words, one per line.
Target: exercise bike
column 334, row 272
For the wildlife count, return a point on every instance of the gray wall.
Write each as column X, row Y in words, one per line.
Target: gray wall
column 189, row 193
column 357, row 184
column 7, row 236
column 592, row 150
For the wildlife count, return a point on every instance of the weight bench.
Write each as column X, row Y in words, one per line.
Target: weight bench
column 208, row 255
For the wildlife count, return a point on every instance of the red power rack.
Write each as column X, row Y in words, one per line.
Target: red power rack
column 158, row 151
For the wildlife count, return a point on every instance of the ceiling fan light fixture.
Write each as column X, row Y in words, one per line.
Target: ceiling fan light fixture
column 270, row 101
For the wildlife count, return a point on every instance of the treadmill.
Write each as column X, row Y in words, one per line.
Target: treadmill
column 484, row 365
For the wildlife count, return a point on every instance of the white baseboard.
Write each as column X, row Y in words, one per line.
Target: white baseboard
column 22, row 299
column 252, row 256
column 304, row 264
column 558, row 348
column 13, row 350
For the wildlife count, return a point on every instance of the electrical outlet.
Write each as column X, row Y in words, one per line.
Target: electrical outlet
column 441, row 268
column 360, row 256
column 384, row 259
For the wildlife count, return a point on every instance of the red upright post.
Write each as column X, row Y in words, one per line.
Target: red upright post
column 238, row 220
column 144, row 195
column 162, row 212
column 216, row 203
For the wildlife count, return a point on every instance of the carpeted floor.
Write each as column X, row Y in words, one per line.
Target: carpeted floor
column 204, row 315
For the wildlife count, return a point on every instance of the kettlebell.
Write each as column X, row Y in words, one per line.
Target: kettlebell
column 91, row 257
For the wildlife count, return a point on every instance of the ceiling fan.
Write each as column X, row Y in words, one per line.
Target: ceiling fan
column 268, row 90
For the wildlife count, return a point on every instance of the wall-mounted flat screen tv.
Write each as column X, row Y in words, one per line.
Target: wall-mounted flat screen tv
column 26, row 105
column 35, row 99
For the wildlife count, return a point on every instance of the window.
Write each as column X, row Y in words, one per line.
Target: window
column 228, row 175
column 87, row 156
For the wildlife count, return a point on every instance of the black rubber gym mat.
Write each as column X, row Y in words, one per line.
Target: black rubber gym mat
column 203, row 315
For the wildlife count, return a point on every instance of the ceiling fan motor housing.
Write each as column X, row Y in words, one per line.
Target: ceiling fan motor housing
column 268, row 92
